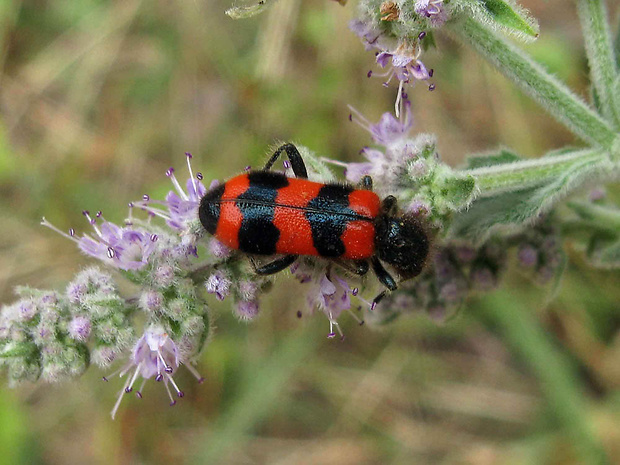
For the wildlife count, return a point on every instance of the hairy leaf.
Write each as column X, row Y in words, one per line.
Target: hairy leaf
column 515, row 209
column 491, row 159
column 604, row 254
column 457, row 191
column 509, row 16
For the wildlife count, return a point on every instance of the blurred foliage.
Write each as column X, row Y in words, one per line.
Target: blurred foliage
column 98, row 98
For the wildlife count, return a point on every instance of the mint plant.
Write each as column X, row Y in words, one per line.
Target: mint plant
column 476, row 214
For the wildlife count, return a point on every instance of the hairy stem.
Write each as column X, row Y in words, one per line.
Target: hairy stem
column 553, row 95
column 599, row 47
column 511, row 176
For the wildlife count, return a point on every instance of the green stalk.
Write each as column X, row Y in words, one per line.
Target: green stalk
column 553, row 95
column 558, row 380
column 512, row 176
column 599, row 47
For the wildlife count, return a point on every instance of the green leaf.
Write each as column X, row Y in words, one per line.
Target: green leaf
column 429, row 41
column 510, row 16
column 491, row 159
column 457, row 192
column 604, row 254
column 512, row 210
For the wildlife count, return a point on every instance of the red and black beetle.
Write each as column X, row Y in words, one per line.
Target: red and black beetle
column 264, row 212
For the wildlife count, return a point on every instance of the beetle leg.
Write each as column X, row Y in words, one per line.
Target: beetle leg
column 377, row 299
column 382, row 275
column 366, row 183
column 358, row 267
column 390, row 205
column 297, row 162
column 273, row 267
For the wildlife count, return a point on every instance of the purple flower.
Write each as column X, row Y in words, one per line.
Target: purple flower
column 27, row 310
column 433, row 10
column 218, row 284
column 247, row 309
column 155, row 355
column 89, row 282
column 76, row 291
column 164, row 276
column 400, row 60
column 217, row 249
column 527, row 255
column 151, row 300
column 384, row 166
column 390, row 129
column 181, row 205
column 329, row 293
column 367, row 31
column 405, row 65
column 419, row 208
column 483, row 279
column 248, row 289
column 79, row 328
column 123, row 248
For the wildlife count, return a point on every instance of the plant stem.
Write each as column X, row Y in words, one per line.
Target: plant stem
column 599, row 47
column 517, row 175
column 553, row 95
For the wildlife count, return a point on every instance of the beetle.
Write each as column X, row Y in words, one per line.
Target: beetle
column 263, row 212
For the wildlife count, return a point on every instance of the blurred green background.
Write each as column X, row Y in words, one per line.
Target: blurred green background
column 99, row 98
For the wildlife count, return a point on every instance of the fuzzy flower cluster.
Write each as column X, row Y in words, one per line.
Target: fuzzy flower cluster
column 454, row 272
column 45, row 333
column 539, row 252
column 458, row 270
column 53, row 335
column 409, row 167
column 399, row 54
